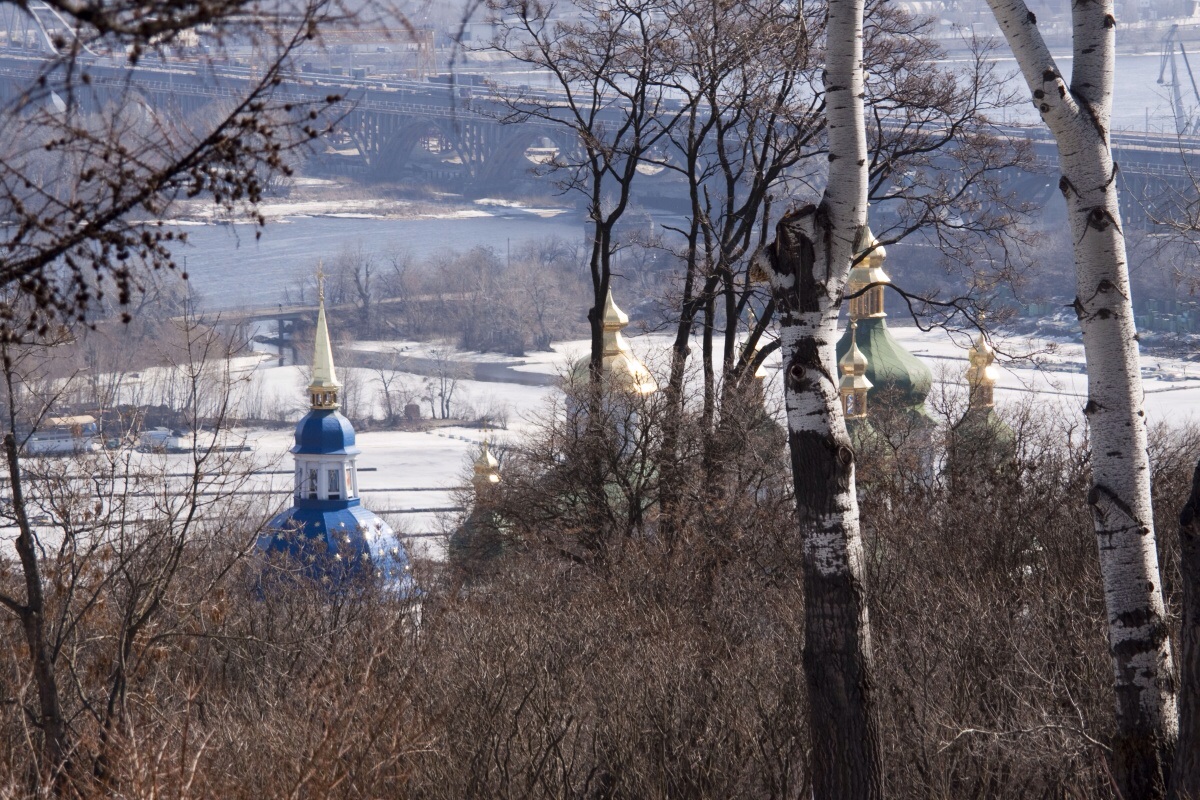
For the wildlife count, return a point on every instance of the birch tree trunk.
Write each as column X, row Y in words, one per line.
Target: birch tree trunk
column 1079, row 115
column 1185, row 772
column 807, row 267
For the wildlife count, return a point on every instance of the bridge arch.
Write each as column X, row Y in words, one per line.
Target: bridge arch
column 423, row 148
column 523, row 151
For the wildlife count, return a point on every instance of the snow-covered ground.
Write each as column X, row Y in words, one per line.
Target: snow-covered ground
column 408, row 475
column 1055, row 370
column 1052, row 371
column 307, row 206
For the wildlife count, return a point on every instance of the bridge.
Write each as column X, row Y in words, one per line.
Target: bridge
column 387, row 131
column 453, row 135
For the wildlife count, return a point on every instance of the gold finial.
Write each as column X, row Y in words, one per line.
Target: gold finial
column 619, row 362
column 981, row 374
column 321, row 282
column 866, row 243
column 486, row 469
column 614, row 318
column 854, row 384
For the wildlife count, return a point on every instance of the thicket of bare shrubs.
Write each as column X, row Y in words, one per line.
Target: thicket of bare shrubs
column 674, row 666
column 612, row 653
column 512, row 300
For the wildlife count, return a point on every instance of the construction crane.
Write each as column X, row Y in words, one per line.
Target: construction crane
column 1184, row 122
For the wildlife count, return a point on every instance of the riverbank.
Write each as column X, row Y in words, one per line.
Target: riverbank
column 306, row 197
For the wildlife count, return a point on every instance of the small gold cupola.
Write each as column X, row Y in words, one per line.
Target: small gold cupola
column 853, row 385
column 324, row 389
column 866, row 272
column 486, row 470
column 981, row 375
column 621, row 366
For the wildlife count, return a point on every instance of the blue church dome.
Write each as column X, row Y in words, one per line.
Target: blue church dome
column 340, row 545
column 327, row 535
column 324, row 431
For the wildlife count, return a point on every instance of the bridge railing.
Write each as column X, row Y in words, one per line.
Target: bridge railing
column 1151, row 153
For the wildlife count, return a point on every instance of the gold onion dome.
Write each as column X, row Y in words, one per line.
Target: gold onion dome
column 982, row 373
column 621, row 367
column 868, row 271
column 981, row 433
column 854, row 384
column 486, row 469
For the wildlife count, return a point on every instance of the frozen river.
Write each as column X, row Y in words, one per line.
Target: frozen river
column 229, row 269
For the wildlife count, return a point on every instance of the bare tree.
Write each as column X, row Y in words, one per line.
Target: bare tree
column 611, row 68
column 1185, row 772
column 756, row 132
column 99, row 535
column 395, row 392
column 441, row 386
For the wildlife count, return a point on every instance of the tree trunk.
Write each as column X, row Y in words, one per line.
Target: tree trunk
column 807, row 267
column 837, row 646
column 33, row 620
column 1185, row 773
column 1079, row 116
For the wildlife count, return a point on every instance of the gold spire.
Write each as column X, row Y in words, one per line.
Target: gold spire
column 981, row 375
column 615, row 319
column 324, row 388
column 486, row 469
column 620, row 364
column 866, row 272
column 854, row 385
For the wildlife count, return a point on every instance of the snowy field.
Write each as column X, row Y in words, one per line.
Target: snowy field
column 412, row 478
column 1028, row 368
column 1055, row 371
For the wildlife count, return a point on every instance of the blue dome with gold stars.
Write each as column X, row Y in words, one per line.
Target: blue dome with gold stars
column 327, row 535
column 338, row 545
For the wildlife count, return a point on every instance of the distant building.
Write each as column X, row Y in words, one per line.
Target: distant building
column 482, row 536
column 327, row 533
column 63, row 435
column 980, row 439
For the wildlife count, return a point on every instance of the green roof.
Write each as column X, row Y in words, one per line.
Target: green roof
column 898, row 377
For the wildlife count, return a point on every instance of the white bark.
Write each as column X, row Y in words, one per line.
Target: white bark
column 1079, row 117
column 835, row 544
column 808, row 266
